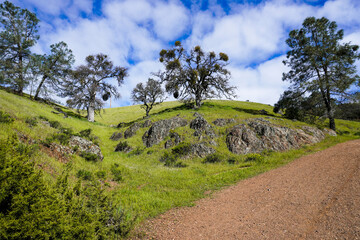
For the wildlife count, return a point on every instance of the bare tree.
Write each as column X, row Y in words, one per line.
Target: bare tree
column 88, row 82
column 195, row 76
column 148, row 94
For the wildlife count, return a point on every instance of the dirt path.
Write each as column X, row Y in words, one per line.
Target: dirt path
column 313, row 197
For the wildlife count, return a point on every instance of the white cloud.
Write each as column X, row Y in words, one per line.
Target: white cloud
column 261, row 84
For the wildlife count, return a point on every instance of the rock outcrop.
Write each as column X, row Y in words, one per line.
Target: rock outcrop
column 174, row 140
column 201, row 125
column 201, row 149
column 84, row 145
column 223, row 121
column 131, row 131
column 259, row 135
column 116, row 136
column 161, row 129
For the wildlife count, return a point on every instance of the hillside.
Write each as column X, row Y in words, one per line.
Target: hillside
column 136, row 178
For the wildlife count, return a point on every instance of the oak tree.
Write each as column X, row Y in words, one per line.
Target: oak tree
column 149, row 94
column 88, row 89
column 195, row 75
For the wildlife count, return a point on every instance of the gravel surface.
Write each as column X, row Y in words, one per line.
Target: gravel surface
column 314, row 197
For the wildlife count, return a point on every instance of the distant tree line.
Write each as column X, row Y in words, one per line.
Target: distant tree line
column 322, row 71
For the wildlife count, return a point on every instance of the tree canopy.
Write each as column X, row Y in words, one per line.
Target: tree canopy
column 148, row 94
column 18, row 35
column 195, row 75
column 55, row 67
column 88, row 81
column 320, row 61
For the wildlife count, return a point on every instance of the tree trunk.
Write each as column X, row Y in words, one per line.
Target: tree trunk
column 331, row 118
column 39, row 88
column 91, row 112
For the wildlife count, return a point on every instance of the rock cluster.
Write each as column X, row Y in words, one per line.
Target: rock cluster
column 174, row 140
column 85, row 146
column 223, row 121
column 116, row 136
column 259, row 135
column 161, row 129
column 201, row 125
column 131, row 131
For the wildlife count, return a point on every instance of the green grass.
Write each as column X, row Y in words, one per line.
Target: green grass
column 146, row 187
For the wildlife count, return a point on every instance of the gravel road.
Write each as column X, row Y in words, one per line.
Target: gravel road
column 314, row 197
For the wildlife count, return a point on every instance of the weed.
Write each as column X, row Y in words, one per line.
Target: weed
column 31, row 121
column 181, row 150
column 122, row 147
column 137, row 151
column 232, row 160
column 55, row 124
column 254, row 157
column 85, row 133
column 5, row 118
column 101, row 174
column 91, row 157
column 357, row 134
column 213, row 158
column 116, row 172
column 84, row 174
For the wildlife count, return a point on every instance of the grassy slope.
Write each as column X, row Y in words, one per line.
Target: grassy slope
column 148, row 187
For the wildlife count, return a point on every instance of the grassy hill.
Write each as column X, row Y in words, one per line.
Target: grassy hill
column 137, row 180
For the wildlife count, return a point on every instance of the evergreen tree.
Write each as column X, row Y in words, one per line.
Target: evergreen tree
column 319, row 61
column 195, row 76
column 18, row 35
column 88, row 81
column 54, row 68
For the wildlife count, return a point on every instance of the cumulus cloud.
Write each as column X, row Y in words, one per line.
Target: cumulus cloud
column 132, row 32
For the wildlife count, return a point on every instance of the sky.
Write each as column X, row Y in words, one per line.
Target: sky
column 133, row 32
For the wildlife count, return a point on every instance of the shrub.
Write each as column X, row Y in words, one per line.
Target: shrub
column 168, row 159
column 5, row 118
column 137, row 151
column 122, row 147
column 91, row 157
column 31, row 208
column 55, row 124
column 32, row 122
column 101, row 174
column 357, row 134
column 84, row 174
column 85, row 133
column 267, row 152
column 254, row 157
column 232, row 160
column 116, row 171
column 213, row 158
column 182, row 149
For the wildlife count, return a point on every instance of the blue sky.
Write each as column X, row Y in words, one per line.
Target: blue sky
column 132, row 33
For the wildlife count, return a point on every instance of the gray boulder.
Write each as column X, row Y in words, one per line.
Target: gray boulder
column 223, row 121
column 174, row 140
column 161, row 129
column 201, row 125
column 260, row 134
column 147, row 123
column 116, row 136
column 131, row 131
column 84, row 145
column 201, row 149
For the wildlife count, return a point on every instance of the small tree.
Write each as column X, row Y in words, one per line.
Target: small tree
column 54, row 68
column 319, row 61
column 195, row 75
column 88, row 81
column 148, row 94
column 18, row 35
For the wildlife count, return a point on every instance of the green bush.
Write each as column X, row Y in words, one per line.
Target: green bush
column 91, row 157
column 232, row 160
column 84, row 174
column 357, row 134
column 254, row 157
column 55, row 124
column 101, row 174
column 213, row 158
column 33, row 208
column 122, row 147
column 137, row 151
column 85, row 133
column 116, row 172
column 5, row 118
column 32, row 122
column 182, row 149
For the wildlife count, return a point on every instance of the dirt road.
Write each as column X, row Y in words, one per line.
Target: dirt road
column 314, row 197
